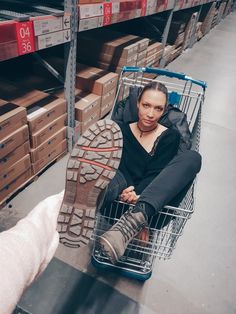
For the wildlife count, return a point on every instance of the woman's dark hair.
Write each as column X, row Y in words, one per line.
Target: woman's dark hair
column 154, row 86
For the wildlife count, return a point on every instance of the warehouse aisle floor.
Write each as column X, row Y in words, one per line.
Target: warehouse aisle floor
column 200, row 277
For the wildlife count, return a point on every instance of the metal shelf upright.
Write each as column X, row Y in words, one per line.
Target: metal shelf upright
column 71, row 6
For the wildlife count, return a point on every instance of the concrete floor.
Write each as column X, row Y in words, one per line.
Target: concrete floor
column 200, row 277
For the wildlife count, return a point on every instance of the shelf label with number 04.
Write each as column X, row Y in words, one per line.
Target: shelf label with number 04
column 25, row 37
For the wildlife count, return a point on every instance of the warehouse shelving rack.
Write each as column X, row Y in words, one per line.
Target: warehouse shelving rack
column 104, row 13
column 81, row 15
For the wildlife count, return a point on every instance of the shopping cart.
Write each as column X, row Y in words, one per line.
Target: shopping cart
column 165, row 228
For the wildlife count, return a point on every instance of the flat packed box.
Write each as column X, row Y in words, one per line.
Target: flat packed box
column 108, row 97
column 81, row 127
column 85, row 104
column 154, row 48
column 14, row 156
column 41, row 107
column 95, row 80
column 14, row 171
column 48, row 145
column 13, row 140
column 140, row 63
column 12, row 117
column 141, row 55
column 17, row 183
column 45, row 111
column 52, row 39
column 54, row 153
column 110, row 43
column 142, row 43
column 153, row 58
column 105, row 109
column 49, row 130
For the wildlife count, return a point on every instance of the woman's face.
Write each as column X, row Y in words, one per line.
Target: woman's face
column 151, row 107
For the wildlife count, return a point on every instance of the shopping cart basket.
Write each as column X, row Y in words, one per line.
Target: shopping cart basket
column 165, row 228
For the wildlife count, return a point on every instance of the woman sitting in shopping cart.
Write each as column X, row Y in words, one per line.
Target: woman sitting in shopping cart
column 152, row 172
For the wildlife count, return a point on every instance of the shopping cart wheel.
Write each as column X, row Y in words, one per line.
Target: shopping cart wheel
column 121, row 270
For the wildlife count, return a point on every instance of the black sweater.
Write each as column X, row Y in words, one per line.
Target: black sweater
column 140, row 167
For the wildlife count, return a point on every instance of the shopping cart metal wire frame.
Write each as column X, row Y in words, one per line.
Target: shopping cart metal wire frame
column 165, row 228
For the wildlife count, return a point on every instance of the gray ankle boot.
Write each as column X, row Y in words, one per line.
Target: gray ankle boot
column 114, row 242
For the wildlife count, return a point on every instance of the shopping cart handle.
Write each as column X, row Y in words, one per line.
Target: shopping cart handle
column 177, row 75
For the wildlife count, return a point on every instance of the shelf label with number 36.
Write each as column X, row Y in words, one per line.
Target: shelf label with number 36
column 25, row 37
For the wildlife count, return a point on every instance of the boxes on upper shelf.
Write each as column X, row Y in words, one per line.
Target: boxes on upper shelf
column 112, row 50
column 8, row 40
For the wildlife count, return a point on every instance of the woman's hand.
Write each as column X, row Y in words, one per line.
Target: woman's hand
column 129, row 195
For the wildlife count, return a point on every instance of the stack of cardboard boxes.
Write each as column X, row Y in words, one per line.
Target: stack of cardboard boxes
column 112, row 50
column 15, row 165
column 189, row 33
column 46, row 117
column 154, row 53
column 95, row 95
column 208, row 18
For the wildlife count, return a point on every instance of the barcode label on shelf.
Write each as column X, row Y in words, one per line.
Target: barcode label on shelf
column 90, row 10
column 53, row 39
column 25, row 37
column 48, row 25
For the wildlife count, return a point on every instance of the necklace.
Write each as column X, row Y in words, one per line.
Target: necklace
column 142, row 131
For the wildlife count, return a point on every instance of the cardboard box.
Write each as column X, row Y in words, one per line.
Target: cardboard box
column 13, row 140
column 154, row 48
column 153, row 58
column 105, row 109
column 85, row 105
column 49, row 157
column 81, row 127
column 41, row 107
column 141, row 55
column 111, row 43
column 14, row 171
column 47, row 146
column 14, row 156
column 45, row 111
column 17, row 183
column 12, row 117
column 49, row 130
column 95, row 80
column 108, row 97
column 19, row 96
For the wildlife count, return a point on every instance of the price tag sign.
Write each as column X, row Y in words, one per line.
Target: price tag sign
column 143, row 7
column 106, row 20
column 25, row 37
column 107, row 8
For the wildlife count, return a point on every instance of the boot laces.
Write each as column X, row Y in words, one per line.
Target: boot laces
column 129, row 226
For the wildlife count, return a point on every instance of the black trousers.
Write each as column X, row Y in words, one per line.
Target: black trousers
column 168, row 188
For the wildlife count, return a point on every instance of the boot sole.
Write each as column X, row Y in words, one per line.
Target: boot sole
column 91, row 166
